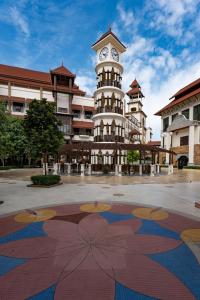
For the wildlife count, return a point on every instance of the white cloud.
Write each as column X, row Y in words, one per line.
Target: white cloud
column 86, row 83
column 126, row 17
column 18, row 20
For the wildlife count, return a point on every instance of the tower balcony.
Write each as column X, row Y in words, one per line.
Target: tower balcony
column 109, row 83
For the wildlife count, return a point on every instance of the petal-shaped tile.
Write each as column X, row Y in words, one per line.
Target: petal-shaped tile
column 30, row 278
column 93, row 227
column 29, row 248
column 148, row 244
column 61, row 230
column 87, row 282
column 9, row 225
column 149, row 278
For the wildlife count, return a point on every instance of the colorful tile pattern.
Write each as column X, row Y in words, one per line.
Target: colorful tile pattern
column 99, row 251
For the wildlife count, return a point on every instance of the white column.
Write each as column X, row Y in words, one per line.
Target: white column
column 89, row 169
column 116, row 170
column 191, row 145
column 82, row 170
column 191, row 110
column 140, row 170
column 55, row 169
column 170, row 169
column 120, row 170
column 152, row 170
column 168, row 142
column 158, row 168
column 68, row 169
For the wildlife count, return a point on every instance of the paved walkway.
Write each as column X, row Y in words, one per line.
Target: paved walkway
column 102, row 238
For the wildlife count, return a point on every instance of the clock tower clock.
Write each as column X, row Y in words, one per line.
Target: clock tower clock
column 109, row 120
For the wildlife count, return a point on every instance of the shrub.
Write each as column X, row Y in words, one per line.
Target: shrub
column 45, row 179
column 192, row 167
column 4, row 168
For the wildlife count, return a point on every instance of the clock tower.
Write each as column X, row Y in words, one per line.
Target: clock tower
column 109, row 120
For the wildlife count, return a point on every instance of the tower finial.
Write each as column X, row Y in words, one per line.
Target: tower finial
column 62, row 63
column 109, row 28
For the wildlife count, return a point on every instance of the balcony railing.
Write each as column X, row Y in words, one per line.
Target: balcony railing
column 109, row 83
column 63, row 110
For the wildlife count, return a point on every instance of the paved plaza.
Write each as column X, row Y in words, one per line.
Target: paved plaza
column 100, row 237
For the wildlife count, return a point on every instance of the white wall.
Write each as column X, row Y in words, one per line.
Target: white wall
column 176, row 136
column 83, row 100
column 3, row 90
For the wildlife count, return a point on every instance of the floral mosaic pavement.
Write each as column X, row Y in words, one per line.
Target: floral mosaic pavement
column 99, row 251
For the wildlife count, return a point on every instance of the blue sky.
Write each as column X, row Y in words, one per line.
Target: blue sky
column 162, row 38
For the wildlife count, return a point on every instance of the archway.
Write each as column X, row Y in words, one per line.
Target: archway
column 182, row 161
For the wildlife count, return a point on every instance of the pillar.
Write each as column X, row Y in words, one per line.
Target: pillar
column 120, row 170
column 89, row 169
column 152, row 170
column 168, row 143
column 158, row 169
column 82, row 170
column 55, row 169
column 116, row 170
column 68, row 168
column 191, row 145
column 140, row 169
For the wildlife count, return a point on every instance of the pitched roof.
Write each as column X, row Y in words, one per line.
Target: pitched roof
column 16, row 72
column 187, row 88
column 134, row 83
column 36, row 79
column 63, row 71
column 136, row 92
column 178, row 101
column 107, row 34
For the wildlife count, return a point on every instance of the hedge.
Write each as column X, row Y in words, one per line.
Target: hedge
column 192, row 167
column 45, row 179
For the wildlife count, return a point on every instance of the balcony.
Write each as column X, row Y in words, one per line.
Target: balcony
column 109, row 83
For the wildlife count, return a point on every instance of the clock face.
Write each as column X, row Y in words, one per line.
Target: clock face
column 115, row 54
column 103, row 54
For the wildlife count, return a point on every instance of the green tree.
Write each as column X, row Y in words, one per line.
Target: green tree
column 133, row 156
column 18, row 139
column 42, row 129
column 5, row 143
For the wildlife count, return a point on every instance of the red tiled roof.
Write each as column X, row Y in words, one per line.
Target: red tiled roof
column 105, row 35
column 63, row 71
column 82, row 124
column 154, row 143
column 134, row 84
column 11, row 71
column 135, row 91
column 178, row 101
column 34, row 79
column 186, row 88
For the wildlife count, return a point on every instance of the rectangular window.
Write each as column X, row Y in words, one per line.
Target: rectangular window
column 66, row 129
column 88, row 131
column 184, row 140
column 88, row 114
column 197, row 112
column 174, row 117
column 76, row 131
column 18, row 107
column 165, row 124
column 186, row 113
column 77, row 114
